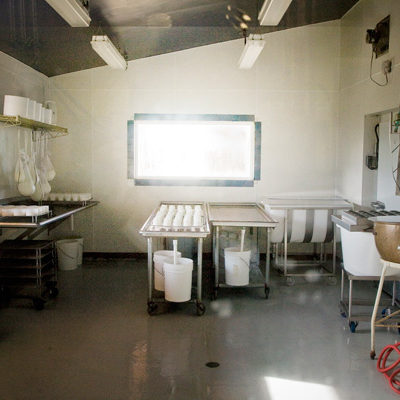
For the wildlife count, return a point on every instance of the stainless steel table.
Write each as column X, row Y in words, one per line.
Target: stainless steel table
column 239, row 215
column 60, row 211
column 150, row 230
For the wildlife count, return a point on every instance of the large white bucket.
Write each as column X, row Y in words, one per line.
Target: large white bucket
column 68, row 253
column 237, row 266
column 160, row 257
column 178, row 280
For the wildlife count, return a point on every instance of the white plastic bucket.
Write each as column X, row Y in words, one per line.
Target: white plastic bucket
column 237, row 266
column 67, row 252
column 160, row 257
column 178, row 280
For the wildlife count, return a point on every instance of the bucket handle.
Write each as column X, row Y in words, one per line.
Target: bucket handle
column 65, row 254
column 245, row 262
column 160, row 272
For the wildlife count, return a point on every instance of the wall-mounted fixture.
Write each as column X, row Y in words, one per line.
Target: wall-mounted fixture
column 252, row 49
column 379, row 37
column 372, row 160
column 75, row 12
column 272, row 11
column 103, row 46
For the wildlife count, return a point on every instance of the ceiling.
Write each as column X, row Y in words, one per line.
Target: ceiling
column 32, row 32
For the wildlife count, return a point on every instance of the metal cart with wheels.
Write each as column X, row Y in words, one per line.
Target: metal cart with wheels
column 151, row 230
column 28, row 269
column 240, row 215
column 363, row 312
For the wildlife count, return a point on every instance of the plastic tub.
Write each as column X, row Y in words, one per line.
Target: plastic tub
column 178, row 280
column 237, row 266
column 360, row 256
column 159, row 258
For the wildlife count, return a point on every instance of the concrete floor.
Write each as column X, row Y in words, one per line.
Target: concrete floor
column 96, row 341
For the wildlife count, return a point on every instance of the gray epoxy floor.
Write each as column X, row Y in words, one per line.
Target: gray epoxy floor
column 96, row 341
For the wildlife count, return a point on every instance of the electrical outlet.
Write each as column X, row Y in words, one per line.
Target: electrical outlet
column 387, row 67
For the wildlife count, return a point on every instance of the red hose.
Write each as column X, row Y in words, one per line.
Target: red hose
column 391, row 374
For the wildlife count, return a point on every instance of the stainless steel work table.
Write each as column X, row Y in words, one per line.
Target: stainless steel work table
column 239, row 215
column 149, row 230
column 60, row 211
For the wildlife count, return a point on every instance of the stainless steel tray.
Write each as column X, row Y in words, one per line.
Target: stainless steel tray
column 239, row 214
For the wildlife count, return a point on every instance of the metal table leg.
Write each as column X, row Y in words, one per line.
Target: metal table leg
column 267, row 264
column 216, row 263
column 200, row 307
column 151, row 305
column 334, row 251
column 375, row 311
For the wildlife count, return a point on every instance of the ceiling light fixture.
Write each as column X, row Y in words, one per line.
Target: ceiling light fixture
column 103, row 46
column 75, row 12
column 252, row 49
column 272, row 11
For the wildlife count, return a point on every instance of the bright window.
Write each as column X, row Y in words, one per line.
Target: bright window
column 193, row 149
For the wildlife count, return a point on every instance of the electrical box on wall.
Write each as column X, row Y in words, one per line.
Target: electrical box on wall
column 379, row 37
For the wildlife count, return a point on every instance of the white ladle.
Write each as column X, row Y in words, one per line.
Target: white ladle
column 242, row 233
column 175, row 245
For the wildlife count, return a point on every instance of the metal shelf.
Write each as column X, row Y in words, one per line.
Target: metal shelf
column 17, row 121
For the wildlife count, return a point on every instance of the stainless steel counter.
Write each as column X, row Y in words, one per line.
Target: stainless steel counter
column 60, row 211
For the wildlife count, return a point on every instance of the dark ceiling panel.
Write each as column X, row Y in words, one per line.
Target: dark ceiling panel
column 32, row 32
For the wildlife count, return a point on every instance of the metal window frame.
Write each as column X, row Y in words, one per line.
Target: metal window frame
column 194, row 117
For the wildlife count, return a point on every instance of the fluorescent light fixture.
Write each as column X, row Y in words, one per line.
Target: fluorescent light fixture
column 272, row 11
column 103, row 46
column 250, row 53
column 73, row 11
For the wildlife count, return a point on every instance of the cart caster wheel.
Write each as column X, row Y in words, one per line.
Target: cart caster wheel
column 353, row 325
column 266, row 291
column 332, row 281
column 53, row 292
column 151, row 308
column 200, row 309
column 290, row 281
column 38, row 304
column 372, row 354
column 4, row 297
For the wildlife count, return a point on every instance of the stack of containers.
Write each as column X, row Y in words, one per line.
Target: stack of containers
column 178, row 215
column 28, row 108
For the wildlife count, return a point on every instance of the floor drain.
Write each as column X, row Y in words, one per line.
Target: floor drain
column 212, row 364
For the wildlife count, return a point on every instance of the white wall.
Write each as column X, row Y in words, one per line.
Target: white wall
column 358, row 95
column 20, row 80
column 292, row 90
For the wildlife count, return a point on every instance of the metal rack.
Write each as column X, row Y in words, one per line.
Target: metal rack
column 28, row 266
column 150, row 231
column 52, row 131
column 310, row 206
column 347, row 305
column 239, row 215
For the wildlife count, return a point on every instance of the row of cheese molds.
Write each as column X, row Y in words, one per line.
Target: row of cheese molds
column 68, row 197
column 23, row 211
